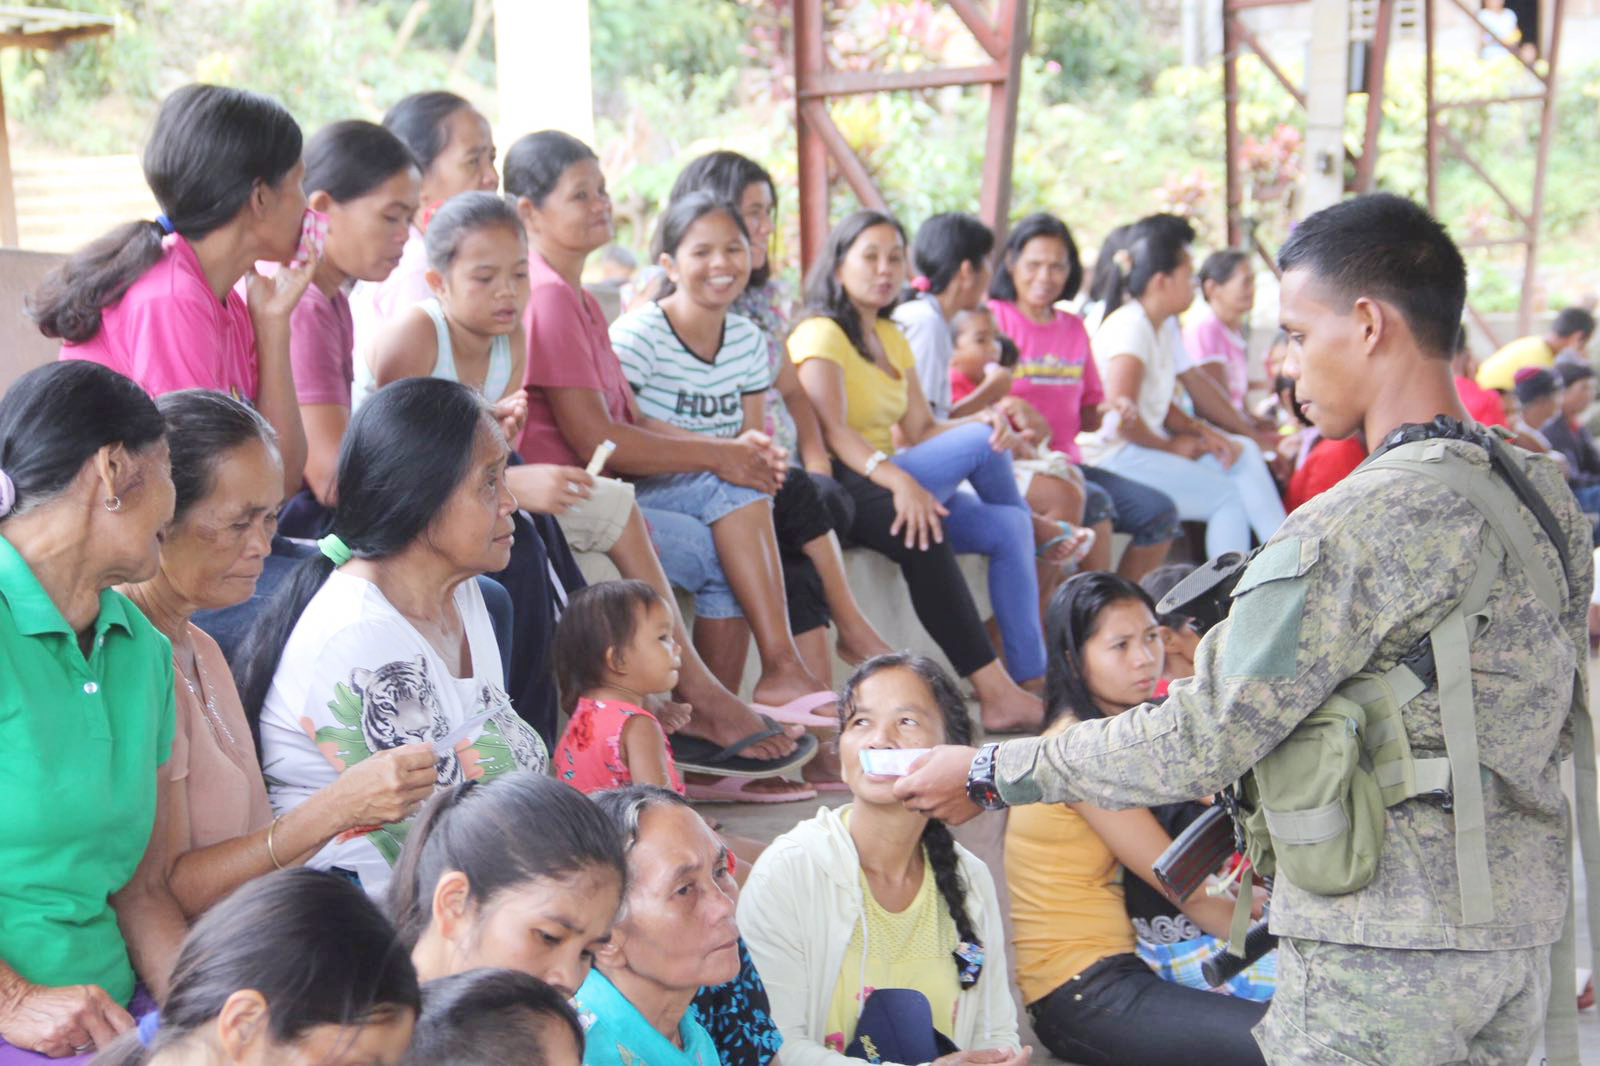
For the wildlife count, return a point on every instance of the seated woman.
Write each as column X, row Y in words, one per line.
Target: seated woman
column 578, row 399
column 86, row 713
column 218, row 823
column 494, row 1017
column 687, row 345
column 1215, row 338
column 874, row 899
column 1215, row 477
column 788, row 418
column 1081, row 970
column 951, row 257
column 1056, row 382
column 518, row 871
column 676, row 936
column 862, row 384
column 381, row 639
column 157, row 301
column 453, row 149
column 296, row 966
column 365, row 180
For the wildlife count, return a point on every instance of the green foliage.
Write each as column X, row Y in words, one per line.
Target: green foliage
column 1096, row 45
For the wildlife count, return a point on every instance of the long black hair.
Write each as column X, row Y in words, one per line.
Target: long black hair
column 936, row 838
column 347, row 160
column 503, row 832
column 463, row 214
column 825, row 296
column 1071, row 619
column 1154, row 245
column 203, row 426
column 406, row 450
column 534, row 166
column 421, row 122
column 1041, row 224
column 486, row 1018
column 946, row 241
column 311, row 943
column 210, row 147
column 726, row 175
column 54, row 418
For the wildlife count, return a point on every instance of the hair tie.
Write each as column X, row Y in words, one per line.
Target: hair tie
column 166, row 224
column 921, row 283
column 335, row 549
column 8, row 494
column 1123, row 259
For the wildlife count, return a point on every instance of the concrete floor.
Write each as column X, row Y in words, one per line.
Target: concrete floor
column 983, row 836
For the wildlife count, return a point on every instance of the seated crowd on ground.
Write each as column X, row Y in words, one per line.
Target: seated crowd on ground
column 290, row 545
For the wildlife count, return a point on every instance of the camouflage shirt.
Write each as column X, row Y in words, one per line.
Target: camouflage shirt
column 1383, row 557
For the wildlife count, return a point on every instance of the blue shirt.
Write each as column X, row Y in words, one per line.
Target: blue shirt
column 616, row 1034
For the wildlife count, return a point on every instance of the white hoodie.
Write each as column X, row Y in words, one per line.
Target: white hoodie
column 797, row 913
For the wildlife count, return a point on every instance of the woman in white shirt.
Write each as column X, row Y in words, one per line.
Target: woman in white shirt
column 385, row 641
column 1212, row 476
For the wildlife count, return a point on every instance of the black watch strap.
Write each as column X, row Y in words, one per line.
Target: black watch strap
column 981, row 787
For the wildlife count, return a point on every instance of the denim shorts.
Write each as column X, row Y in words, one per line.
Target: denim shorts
column 680, row 510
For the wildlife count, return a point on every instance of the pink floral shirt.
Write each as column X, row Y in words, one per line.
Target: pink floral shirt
column 589, row 756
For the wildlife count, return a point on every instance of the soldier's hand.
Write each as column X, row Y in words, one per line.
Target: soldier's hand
column 937, row 785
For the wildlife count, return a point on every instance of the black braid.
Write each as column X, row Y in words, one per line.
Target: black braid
column 941, row 847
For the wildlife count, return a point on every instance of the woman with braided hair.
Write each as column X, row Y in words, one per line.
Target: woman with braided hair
column 876, row 934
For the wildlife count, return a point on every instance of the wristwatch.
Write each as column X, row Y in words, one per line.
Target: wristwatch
column 981, row 788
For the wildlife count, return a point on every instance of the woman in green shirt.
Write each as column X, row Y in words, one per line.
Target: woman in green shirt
column 86, row 710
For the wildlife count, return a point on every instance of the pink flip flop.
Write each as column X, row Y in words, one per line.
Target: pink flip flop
column 733, row 790
column 802, row 711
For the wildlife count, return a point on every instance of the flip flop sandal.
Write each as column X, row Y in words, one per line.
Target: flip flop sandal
column 736, row 790
column 802, row 711
column 701, row 756
column 1068, row 531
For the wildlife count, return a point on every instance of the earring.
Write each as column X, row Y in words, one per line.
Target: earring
column 113, row 503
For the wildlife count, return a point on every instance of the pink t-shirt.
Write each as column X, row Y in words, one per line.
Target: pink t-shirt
column 589, row 757
column 569, row 347
column 1055, row 371
column 1210, row 340
column 170, row 332
column 321, row 340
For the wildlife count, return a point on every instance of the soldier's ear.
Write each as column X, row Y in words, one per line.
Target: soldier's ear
column 1374, row 320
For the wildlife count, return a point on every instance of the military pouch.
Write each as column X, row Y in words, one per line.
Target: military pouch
column 1311, row 809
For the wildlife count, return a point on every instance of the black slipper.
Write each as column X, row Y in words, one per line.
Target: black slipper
column 701, row 756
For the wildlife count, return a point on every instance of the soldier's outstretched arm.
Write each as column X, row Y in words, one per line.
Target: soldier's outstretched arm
column 1309, row 613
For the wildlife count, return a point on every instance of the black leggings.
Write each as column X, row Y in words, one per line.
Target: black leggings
column 1119, row 1013
column 939, row 593
column 805, row 508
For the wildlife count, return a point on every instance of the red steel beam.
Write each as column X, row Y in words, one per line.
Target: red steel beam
column 851, row 168
column 1459, row 150
column 995, row 197
column 853, row 82
column 1472, row 15
column 978, row 25
column 1377, row 60
column 1230, row 126
column 1243, row 33
column 810, row 59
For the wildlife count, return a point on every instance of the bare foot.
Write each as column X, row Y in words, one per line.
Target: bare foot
column 1012, row 714
column 824, row 766
column 856, row 648
column 672, row 715
column 779, row 687
column 1066, row 542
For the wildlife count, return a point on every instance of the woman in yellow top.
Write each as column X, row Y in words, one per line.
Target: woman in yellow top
column 859, row 374
column 1092, row 999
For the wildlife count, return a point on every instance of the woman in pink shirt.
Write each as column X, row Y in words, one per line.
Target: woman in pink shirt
column 1215, row 337
column 156, row 301
column 1056, row 374
column 454, row 152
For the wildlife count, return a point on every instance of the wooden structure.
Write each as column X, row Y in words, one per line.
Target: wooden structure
column 1004, row 38
column 36, row 28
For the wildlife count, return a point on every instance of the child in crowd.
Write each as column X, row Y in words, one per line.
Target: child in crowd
column 614, row 648
column 977, row 354
column 488, row 1017
column 1216, row 338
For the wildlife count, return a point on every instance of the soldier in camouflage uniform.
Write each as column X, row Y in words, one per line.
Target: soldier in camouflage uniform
column 1371, row 299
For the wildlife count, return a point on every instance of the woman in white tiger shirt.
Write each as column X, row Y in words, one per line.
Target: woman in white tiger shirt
column 385, row 638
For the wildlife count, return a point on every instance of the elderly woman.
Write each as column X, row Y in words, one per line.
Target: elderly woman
column 219, row 828
column 295, row 967
column 86, row 713
column 879, row 936
column 381, row 640
column 675, row 936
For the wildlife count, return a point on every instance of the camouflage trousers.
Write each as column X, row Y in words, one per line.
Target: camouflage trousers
column 1339, row 1005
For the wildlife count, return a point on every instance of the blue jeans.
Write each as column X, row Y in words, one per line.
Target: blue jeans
column 680, row 510
column 994, row 522
column 1147, row 515
column 1232, row 503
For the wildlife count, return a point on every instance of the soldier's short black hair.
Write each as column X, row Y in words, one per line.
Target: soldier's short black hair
column 1387, row 247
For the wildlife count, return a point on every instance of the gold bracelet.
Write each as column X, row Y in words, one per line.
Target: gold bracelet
column 273, row 828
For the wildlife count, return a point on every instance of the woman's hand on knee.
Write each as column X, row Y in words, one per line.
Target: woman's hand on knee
column 991, row 1057
column 917, row 514
column 62, row 1021
column 745, row 463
